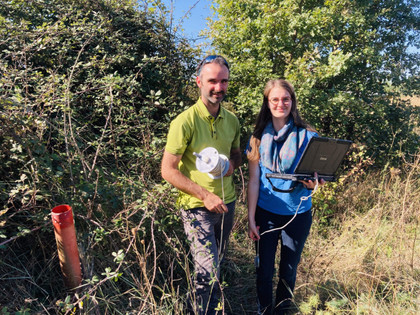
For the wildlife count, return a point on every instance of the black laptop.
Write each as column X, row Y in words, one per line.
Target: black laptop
column 322, row 155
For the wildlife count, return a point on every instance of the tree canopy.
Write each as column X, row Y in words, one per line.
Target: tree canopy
column 350, row 63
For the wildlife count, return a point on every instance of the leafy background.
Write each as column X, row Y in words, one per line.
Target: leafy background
column 87, row 91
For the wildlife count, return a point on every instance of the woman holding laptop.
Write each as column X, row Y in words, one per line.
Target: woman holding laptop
column 280, row 211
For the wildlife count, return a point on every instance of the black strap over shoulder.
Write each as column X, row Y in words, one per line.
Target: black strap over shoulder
column 294, row 185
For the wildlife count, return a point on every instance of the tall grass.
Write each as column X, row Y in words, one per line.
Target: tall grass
column 364, row 259
column 370, row 263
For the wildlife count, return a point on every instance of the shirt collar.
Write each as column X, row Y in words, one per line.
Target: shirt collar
column 205, row 113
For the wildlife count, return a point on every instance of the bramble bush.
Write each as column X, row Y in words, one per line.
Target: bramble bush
column 87, row 92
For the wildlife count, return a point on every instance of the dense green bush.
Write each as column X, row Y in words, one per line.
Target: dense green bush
column 350, row 62
column 87, row 90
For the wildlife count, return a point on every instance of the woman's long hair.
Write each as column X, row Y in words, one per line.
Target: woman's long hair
column 264, row 116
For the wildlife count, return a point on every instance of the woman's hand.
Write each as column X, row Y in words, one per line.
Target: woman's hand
column 253, row 231
column 310, row 184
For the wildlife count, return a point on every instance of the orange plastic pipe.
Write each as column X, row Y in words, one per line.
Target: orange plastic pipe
column 68, row 253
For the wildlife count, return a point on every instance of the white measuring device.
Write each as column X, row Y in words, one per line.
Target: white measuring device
column 211, row 162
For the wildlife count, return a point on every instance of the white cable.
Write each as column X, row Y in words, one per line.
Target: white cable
column 303, row 198
column 223, row 217
column 211, row 162
column 216, row 166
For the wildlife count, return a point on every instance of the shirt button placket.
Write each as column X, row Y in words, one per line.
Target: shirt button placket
column 212, row 127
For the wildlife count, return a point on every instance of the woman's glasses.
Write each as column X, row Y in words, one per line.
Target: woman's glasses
column 285, row 100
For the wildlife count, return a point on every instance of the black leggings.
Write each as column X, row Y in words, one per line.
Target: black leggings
column 292, row 239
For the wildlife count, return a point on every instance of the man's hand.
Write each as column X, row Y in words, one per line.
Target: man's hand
column 214, row 203
column 171, row 174
column 234, row 161
column 231, row 169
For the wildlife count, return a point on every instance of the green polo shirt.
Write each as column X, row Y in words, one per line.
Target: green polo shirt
column 194, row 130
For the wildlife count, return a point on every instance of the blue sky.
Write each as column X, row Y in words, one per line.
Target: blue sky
column 191, row 15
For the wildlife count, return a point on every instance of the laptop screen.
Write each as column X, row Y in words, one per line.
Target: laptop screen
column 322, row 155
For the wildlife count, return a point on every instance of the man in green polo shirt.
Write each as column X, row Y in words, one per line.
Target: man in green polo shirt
column 207, row 204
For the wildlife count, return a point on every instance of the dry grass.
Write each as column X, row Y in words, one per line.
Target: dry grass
column 371, row 262
column 365, row 260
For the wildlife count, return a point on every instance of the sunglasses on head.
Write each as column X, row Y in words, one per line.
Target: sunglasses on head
column 210, row 59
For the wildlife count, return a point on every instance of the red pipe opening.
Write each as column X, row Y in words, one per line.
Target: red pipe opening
column 68, row 253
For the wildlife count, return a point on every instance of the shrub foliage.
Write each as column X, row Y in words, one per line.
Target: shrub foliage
column 349, row 61
column 87, row 91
